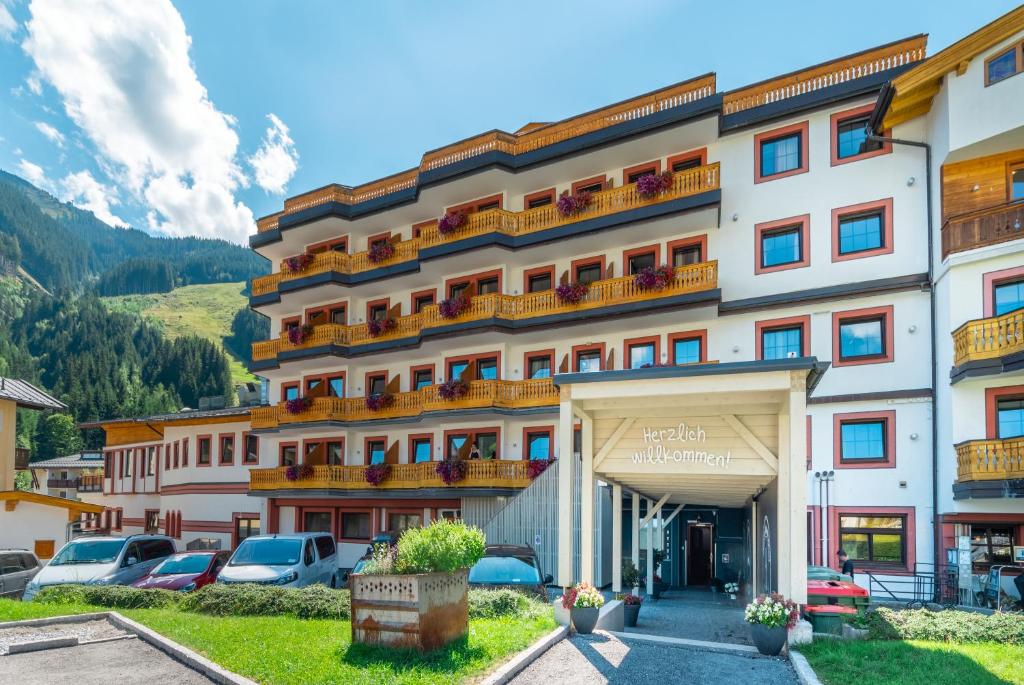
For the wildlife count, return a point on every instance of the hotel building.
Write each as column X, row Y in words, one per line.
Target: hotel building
column 711, row 312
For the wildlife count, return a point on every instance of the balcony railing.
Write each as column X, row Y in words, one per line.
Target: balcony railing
column 613, row 291
column 539, row 392
column 494, row 473
column 92, row 483
column 990, row 459
column 603, row 203
column 985, row 227
column 62, row 483
column 21, row 457
column 989, row 338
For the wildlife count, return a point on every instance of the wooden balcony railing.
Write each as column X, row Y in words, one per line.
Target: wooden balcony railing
column 985, row 227
column 539, row 392
column 21, row 457
column 824, row 75
column 989, row 338
column 62, row 483
column 91, row 483
column 493, row 473
column 990, row 459
column 684, row 183
column 512, row 143
column 606, row 293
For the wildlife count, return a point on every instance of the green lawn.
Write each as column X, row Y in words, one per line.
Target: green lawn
column 284, row 649
column 884, row 662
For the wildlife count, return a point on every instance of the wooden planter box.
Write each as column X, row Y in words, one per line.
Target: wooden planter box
column 423, row 611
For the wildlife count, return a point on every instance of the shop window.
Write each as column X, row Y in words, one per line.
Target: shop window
column 252, row 449
column 245, row 528
column 420, row 450
column 375, row 450
column 538, row 444
column 316, row 522
column 874, row 540
column 204, row 449
column 782, row 343
column 355, row 525
column 227, row 449
column 1007, row 296
column 289, row 455
column 1010, row 417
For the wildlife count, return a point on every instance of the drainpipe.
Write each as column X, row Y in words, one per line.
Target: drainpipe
column 885, row 98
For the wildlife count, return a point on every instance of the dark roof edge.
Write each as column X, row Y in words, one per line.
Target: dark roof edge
column 832, row 292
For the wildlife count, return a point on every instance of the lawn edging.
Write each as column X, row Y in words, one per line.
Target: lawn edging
column 511, row 668
column 804, row 672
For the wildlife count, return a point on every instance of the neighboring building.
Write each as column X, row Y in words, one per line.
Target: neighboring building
column 67, row 476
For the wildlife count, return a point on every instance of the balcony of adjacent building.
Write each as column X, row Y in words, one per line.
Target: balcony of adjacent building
column 989, row 346
column 688, row 189
column 91, row 483
column 692, row 285
column 987, row 469
column 982, row 228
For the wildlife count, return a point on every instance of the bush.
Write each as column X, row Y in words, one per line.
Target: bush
column 314, row 601
column 945, row 626
column 498, row 603
column 111, row 596
column 442, row 547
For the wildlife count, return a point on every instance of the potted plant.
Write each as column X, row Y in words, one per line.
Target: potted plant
column 584, row 602
column 298, row 405
column 381, row 251
column 631, row 576
column 452, row 389
column 376, row 327
column 453, row 307
column 652, row 185
column 654, row 277
column 731, row 589
column 572, row 293
column 299, row 263
column 451, row 470
column 770, row 618
column 415, row 594
column 377, row 473
column 631, row 606
column 451, row 221
column 379, row 401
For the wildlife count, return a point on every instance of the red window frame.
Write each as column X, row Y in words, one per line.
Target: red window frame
column 383, row 302
column 536, row 354
column 652, row 167
column 786, row 322
column 801, row 222
column 699, row 154
column 910, row 534
column 992, row 397
column 537, row 430
column 579, row 349
column 838, row 214
column 475, row 205
column 888, row 332
column 471, row 434
column 285, row 445
column 372, row 375
column 548, row 270
column 421, row 367
column 417, row 297
column 549, row 194
column 413, row 438
column 991, row 280
column 245, row 448
column 699, row 240
column 592, row 181
column 208, row 438
column 629, row 343
column 473, row 280
column 888, row 417
column 576, row 264
column 470, row 358
column 833, row 132
column 366, row 446
column 781, row 132
column 220, row 449
column 698, row 334
column 638, row 251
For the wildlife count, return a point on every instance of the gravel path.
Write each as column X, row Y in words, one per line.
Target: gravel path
column 600, row 658
column 89, row 630
column 694, row 615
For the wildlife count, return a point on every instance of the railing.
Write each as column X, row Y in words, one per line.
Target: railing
column 989, row 226
column 603, row 203
column 989, row 338
column 825, row 75
column 62, row 483
column 492, row 473
column 500, row 394
column 613, row 291
column 990, row 459
column 91, row 483
column 21, row 458
column 512, row 143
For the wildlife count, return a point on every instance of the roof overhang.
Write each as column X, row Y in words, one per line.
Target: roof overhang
column 11, row 498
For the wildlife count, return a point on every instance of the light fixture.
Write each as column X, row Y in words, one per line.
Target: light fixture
column 913, row 436
column 910, row 181
column 735, row 348
column 735, row 216
column 903, row 483
column 911, row 328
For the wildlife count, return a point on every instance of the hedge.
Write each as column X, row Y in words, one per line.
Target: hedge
column 945, row 626
column 498, row 603
column 112, row 596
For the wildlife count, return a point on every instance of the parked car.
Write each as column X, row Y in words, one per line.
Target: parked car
column 510, row 566
column 17, row 568
column 292, row 560
column 102, row 560
column 187, row 571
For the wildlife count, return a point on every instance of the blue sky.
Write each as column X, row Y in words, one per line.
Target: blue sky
column 196, row 117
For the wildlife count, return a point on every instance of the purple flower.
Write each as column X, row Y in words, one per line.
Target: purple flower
column 377, row 473
column 451, row 470
column 298, row 405
column 451, row 221
column 381, row 251
column 453, row 307
column 299, row 262
column 654, row 278
column 653, row 185
column 298, row 334
column 538, row 466
column 572, row 203
column 379, row 401
column 299, row 472
column 377, row 327
column 452, row 389
column 572, row 293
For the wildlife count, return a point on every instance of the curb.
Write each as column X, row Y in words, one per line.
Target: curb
column 40, row 645
column 723, row 647
column 804, row 673
column 51, row 620
column 510, row 669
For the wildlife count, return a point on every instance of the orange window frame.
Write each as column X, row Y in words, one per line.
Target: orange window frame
column 629, row 343
column 592, row 181
column 700, row 241
column 639, row 251
column 536, row 354
column 698, row 334
column 413, row 370
column 803, row 225
column 788, row 322
column 470, row 358
column 383, row 302
column 537, row 430
column 577, row 350
column 474, row 280
column 583, row 262
column 653, row 167
column 548, row 270
column 415, row 298
column 548, row 194
column 700, row 154
column 475, row 205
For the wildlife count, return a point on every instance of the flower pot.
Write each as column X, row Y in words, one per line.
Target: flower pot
column 732, row 595
column 632, row 613
column 584, row 619
column 422, row 611
column 769, row 641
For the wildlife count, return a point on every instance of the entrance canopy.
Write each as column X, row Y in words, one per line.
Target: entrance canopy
column 726, row 435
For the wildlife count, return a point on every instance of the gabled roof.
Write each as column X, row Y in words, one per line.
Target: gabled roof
column 82, row 460
column 27, row 395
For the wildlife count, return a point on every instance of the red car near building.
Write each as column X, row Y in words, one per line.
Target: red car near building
column 187, row 571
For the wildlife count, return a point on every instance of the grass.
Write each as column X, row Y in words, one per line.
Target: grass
column 204, row 310
column 913, row 662
column 284, row 649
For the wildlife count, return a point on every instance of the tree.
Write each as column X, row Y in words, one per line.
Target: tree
column 57, row 436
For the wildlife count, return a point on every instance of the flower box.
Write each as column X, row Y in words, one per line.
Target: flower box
column 572, row 293
column 654, row 278
column 570, row 204
column 298, row 405
column 453, row 307
column 450, row 222
column 379, row 401
column 451, row 471
column 452, row 389
column 378, row 327
column 653, row 185
column 377, row 473
column 381, row 251
column 299, row 263
column 298, row 334
column 421, row 611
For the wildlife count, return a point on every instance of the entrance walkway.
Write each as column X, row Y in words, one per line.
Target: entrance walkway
column 694, row 615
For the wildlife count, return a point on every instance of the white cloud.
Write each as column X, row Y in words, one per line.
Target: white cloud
column 33, row 173
column 275, row 162
column 123, row 71
column 34, row 84
column 51, row 133
column 8, row 26
column 85, row 192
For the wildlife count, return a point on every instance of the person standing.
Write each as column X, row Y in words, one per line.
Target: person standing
column 846, row 564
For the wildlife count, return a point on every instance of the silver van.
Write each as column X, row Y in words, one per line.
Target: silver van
column 102, row 560
column 17, row 568
column 294, row 560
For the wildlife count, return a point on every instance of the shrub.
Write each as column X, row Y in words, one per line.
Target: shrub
column 945, row 626
column 111, row 596
column 631, row 576
column 442, row 547
column 314, row 601
column 498, row 603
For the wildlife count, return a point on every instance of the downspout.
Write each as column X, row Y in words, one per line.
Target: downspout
column 884, row 99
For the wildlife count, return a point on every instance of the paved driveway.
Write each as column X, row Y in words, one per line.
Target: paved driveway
column 602, row 658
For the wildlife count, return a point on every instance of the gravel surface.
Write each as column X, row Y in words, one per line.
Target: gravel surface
column 598, row 659
column 89, row 630
column 694, row 615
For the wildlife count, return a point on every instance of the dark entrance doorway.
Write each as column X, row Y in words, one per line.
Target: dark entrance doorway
column 699, row 554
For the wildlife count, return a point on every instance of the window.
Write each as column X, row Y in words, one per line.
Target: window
column 862, row 441
column 454, row 444
column 336, row 452
column 336, row 386
column 1017, row 183
column 588, row 360
column 252, row 449
column 874, row 539
column 203, row 455
column 377, row 312
column 316, row 522
column 590, row 185
column 289, row 455
column 633, row 174
column 399, row 523
column 641, row 261
column 420, row 450
column 487, row 444
column 684, row 164
column 375, row 451
column 1010, row 417
column 589, row 271
column 482, row 444
column 458, row 289
column 538, row 444
column 687, row 350
column 780, row 152
column 1007, row 297
column 487, row 369
column 782, row 343
column 246, row 527
column 421, row 300
column 863, row 336
column 781, row 246
column 852, row 138
column 376, row 383
column 539, row 365
column 421, row 378
column 455, row 369
column 290, row 391
column 355, row 525
column 540, row 280
column 227, row 449
column 541, row 198
column 687, row 254
column 860, row 233
column 642, row 354
column 486, row 286
column 1003, row 66
column 991, row 545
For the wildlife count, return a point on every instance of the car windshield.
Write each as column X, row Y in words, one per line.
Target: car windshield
column 193, row 563
column 267, row 551
column 359, row 566
column 501, row 570
column 88, row 552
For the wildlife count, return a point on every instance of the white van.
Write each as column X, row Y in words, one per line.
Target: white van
column 294, row 560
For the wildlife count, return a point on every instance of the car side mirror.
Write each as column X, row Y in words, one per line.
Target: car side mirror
column 548, row 579
column 131, row 561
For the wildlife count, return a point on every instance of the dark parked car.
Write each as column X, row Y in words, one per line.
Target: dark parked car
column 510, row 566
column 186, row 572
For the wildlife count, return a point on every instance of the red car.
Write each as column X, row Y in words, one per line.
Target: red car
column 186, row 572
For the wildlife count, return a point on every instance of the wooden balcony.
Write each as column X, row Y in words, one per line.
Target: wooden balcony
column 990, row 338
column 602, row 294
column 482, row 394
column 21, row 458
column 990, row 226
column 64, row 483
column 604, row 203
column 978, row 460
column 91, row 483
column 494, row 473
